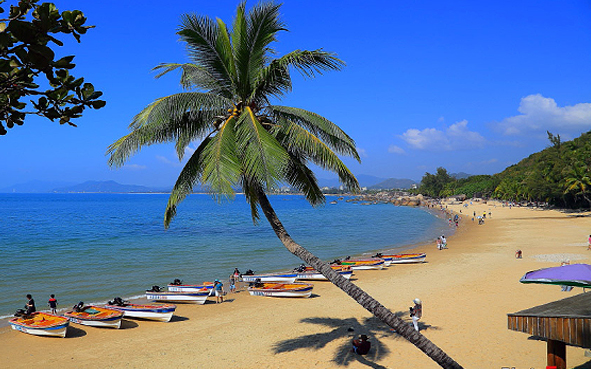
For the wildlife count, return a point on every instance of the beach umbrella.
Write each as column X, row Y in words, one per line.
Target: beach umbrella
column 576, row 275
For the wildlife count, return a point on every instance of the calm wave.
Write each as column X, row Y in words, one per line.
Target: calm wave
column 93, row 247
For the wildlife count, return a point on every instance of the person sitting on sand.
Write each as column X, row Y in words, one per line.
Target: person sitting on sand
column 438, row 243
column 518, row 254
column 361, row 346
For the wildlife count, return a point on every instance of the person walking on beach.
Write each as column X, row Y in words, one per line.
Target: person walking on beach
column 416, row 313
column 218, row 289
column 589, row 247
column 361, row 346
column 52, row 303
column 232, row 283
column 30, row 305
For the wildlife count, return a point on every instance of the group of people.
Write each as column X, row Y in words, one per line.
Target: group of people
column 30, row 307
column 441, row 242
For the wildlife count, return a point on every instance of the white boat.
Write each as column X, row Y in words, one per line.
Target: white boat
column 271, row 277
column 41, row 324
column 314, row 275
column 281, row 290
column 197, row 297
column 405, row 258
column 189, row 287
column 161, row 313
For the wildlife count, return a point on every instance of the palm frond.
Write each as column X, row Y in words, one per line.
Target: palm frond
column 194, row 76
column 302, row 178
column 321, row 127
column 307, row 145
column 187, row 179
column 263, row 158
column 201, row 34
column 174, row 107
column 221, row 170
column 251, row 190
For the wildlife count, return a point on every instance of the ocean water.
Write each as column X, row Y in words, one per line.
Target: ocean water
column 93, row 247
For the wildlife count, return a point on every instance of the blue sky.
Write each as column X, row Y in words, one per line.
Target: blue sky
column 467, row 85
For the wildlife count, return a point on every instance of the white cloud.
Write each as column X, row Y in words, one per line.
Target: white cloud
column 396, row 149
column 455, row 137
column 134, row 167
column 167, row 161
column 539, row 113
column 362, row 153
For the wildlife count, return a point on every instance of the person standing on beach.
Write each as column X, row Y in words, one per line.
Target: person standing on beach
column 30, row 306
column 443, row 242
column 218, row 289
column 52, row 304
column 589, row 247
column 438, row 243
column 416, row 313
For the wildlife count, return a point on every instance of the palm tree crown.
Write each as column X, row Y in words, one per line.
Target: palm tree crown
column 244, row 139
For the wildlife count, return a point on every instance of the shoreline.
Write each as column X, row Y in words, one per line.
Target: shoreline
column 467, row 290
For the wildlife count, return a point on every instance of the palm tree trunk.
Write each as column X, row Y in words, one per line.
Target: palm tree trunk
column 365, row 300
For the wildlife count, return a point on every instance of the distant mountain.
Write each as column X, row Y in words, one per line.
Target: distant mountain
column 34, row 187
column 364, row 181
column 105, row 187
column 392, row 183
column 460, row 175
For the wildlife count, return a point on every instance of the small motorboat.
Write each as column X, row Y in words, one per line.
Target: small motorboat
column 405, row 258
column 311, row 274
column 194, row 297
column 41, row 324
column 364, row 264
column 189, row 287
column 162, row 312
column 95, row 316
column 281, row 289
column 271, row 277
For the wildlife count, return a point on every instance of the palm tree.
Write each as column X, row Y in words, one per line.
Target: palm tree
column 578, row 181
column 245, row 140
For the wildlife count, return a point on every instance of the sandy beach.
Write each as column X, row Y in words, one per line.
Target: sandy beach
column 467, row 291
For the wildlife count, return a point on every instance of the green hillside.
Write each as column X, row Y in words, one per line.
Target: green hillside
column 559, row 175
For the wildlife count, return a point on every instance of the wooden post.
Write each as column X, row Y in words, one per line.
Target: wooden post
column 557, row 354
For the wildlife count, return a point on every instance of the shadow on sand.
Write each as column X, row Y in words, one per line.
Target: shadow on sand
column 74, row 332
column 128, row 324
column 343, row 331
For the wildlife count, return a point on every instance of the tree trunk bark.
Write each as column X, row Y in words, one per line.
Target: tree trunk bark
column 365, row 300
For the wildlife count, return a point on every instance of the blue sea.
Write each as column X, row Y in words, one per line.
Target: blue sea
column 93, row 247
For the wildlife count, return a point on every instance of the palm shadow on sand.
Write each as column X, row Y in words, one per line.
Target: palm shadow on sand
column 343, row 331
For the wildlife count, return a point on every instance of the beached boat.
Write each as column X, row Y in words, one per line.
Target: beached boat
column 189, row 287
column 194, row 297
column 405, row 258
column 311, row 274
column 95, row 316
column 364, row 264
column 281, row 289
column 41, row 324
column 271, row 277
column 162, row 312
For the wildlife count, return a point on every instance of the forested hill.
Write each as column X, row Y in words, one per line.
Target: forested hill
column 559, row 175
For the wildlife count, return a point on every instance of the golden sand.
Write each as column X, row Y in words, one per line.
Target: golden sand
column 466, row 290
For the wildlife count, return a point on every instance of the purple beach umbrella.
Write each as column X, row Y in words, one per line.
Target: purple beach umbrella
column 576, row 275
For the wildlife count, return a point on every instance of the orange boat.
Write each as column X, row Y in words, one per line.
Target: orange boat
column 41, row 324
column 362, row 264
column 95, row 316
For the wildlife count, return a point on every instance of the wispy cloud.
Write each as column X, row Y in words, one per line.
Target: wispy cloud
column 362, row 152
column 455, row 137
column 393, row 149
column 539, row 113
column 134, row 167
column 167, row 161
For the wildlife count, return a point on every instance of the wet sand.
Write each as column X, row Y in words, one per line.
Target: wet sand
column 467, row 291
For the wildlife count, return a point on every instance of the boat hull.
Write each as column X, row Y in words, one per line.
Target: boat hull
column 406, row 258
column 35, row 326
column 364, row 264
column 271, row 278
column 187, row 297
column 95, row 316
column 189, row 287
column 317, row 276
column 282, row 290
column 162, row 313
